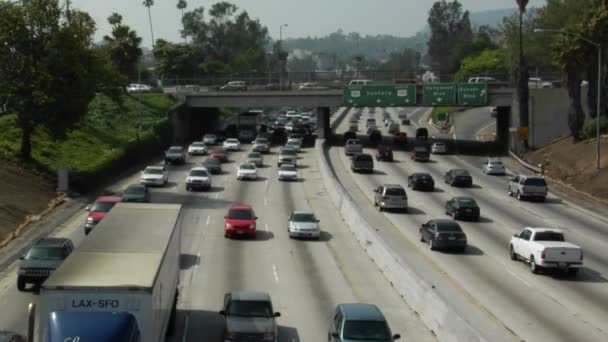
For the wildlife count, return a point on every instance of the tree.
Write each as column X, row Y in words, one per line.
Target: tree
column 177, row 60
column 149, row 4
column 49, row 68
column 450, row 33
column 123, row 46
column 489, row 62
column 181, row 5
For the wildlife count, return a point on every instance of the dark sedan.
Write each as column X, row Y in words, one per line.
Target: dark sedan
column 443, row 234
column 213, row 165
column 458, row 177
column 462, row 208
column 421, row 181
column 136, row 193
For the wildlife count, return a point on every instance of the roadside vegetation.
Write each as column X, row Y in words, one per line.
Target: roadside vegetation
column 440, row 114
column 106, row 133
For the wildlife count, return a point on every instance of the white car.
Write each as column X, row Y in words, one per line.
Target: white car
column 210, row 139
column 198, row 178
column 133, row 87
column 303, row 224
column 247, row 171
column 232, row 144
column 439, row 147
column 493, row 167
column 197, row 148
column 294, row 145
column 255, row 158
column 261, row 145
column 154, row 175
column 288, row 172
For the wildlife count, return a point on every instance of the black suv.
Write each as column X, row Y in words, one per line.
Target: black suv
column 42, row 259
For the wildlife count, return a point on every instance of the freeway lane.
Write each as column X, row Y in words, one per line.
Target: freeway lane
column 470, row 123
column 535, row 307
column 306, row 279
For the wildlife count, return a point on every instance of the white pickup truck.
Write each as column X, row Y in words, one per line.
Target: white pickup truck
column 545, row 248
column 353, row 146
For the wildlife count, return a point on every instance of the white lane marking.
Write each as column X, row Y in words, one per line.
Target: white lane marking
column 198, row 259
column 266, row 226
column 185, row 334
column 276, row 274
column 217, row 195
column 265, row 201
column 208, row 219
column 523, row 281
column 483, row 128
column 454, row 134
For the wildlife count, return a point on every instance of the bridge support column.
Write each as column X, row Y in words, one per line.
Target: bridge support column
column 323, row 127
column 503, row 116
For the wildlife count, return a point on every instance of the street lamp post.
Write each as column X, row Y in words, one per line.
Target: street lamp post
column 599, row 85
column 281, row 61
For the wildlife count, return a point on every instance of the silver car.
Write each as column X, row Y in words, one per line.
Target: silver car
column 303, row 224
column 249, row 316
column 390, row 196
column 255, row 158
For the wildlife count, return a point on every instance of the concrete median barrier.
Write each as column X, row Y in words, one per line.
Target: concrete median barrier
column 448, row 310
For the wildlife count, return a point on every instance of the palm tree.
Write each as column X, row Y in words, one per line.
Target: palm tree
column 181, row 5
column 150, row 3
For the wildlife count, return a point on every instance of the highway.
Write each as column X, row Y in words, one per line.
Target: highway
column 306, row 279
column 534, row 307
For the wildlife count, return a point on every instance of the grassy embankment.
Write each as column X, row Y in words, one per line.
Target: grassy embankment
column 107, row 136
column 439, row 114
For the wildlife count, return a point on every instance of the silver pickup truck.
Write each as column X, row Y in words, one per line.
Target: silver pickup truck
column 353, row 146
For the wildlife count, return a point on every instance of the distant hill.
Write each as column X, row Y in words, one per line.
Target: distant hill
column 491, row 17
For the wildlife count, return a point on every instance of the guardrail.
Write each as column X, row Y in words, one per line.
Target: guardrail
column 536, row 168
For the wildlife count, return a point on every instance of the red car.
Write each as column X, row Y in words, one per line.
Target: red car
column 240, row 221
column 219, row 153
column 99, row 210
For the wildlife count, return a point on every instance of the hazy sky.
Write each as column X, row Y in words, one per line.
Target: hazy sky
column 304, row 17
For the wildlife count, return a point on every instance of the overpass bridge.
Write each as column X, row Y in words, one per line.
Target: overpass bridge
column 208, row 103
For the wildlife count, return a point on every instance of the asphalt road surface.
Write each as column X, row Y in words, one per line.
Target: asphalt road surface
column 535, row 307
column 306, row 279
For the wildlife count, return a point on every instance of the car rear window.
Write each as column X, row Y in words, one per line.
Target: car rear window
column 45, row 253
column 535, row 182
column 366, row 331
column 549, row 236
column 364, row 158
column 102, row 206
column 448, row 227
column 198, row 173
column 461, row 173
column 175, row 150
column 495, row 162
column 249, row 308
column 395, row 192
column 467, row 202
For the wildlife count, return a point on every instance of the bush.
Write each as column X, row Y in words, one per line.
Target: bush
column 590, row 127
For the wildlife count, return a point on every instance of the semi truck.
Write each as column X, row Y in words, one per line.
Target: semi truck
column 247, row 125
column 119, row 284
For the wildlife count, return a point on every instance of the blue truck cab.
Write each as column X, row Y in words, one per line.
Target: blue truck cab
column 74, row 326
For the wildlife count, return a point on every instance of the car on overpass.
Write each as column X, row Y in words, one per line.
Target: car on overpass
column 234, row 86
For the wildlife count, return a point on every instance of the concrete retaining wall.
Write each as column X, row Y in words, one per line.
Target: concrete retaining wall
column 447, row 322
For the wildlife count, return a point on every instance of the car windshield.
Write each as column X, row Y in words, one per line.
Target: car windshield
column 461, row 172
column 45, row 253
column 135, row 190
column 288, row 152
column 198, row 144
column 261, row 141
column 549, row 236
column 303, row 217
column 211, row 161
column 366, row 330
column 175, row 150
column 467, row 202
column 448, row 227
column 247, row 167
column 535, row 182
column 232, row 141
column 423, row 176
column 395, row 192
column 254, row 155
column 102, row 206
column 495, row 162
column 364, row 158
column 249, row 308
column 198, row 173
column 154, row 171
column 240, row 215
column 287, row 168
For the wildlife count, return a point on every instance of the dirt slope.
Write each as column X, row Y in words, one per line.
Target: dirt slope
column 575, row 164
column 22, row 193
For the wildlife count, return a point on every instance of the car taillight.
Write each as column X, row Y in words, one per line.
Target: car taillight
column 524, row 189
column 542, row 254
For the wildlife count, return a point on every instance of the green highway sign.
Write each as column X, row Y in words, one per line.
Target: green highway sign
column 473, row 94
column 380, row 95
column 439, row 94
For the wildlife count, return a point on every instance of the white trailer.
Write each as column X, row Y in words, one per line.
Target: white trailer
column 128, row 264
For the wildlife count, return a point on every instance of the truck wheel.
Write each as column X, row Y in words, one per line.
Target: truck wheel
column 512, row 253
column 519, row 196
column 573, row 272
column 20, row 284
column 431, row 245
column 533, row 267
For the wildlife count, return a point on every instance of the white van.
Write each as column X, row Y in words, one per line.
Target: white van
column 360, row 82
